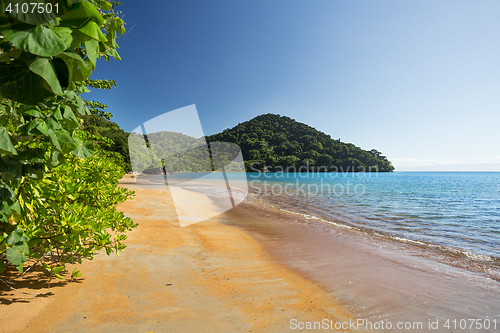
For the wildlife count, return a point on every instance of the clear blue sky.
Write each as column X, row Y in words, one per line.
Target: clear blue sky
column 417, row 80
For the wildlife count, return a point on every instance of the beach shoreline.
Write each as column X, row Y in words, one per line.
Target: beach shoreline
column 252, row 268
column 373, row 277
column 446, row 255
column 387, row 279
column 206, row 277
column 421, row 278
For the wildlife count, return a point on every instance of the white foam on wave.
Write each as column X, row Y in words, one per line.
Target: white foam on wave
column 465, row 253
column 316, row 218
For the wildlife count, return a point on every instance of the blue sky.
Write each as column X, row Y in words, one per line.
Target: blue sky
column 417, row 80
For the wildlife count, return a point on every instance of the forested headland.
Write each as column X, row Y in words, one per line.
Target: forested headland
column 268, row 142
column 279, row 142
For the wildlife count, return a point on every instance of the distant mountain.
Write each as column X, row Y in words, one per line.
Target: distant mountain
column 276, row 142
column 169, row 151
column 268, row 142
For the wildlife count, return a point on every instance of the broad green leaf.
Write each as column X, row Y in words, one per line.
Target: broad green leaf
column 92, row 47
column 16, row 255
column 39, row 40
column 44, row 68
column 20, row 84
column 6, row 146
column 118, row 25
column 106, row 5
column 113, row 53
column 68, row 113
column 53, row 124
column 54, row 139
column 67, row 143
column 58, row 114
column 65, row 34
column 42, row 127
column 75, row 23
column 76, row 103
column 84, row 149
column 31, row 127
column 69, row 119
column 17, row 33
column 34, row 113
column 23, row 247
column 15, row 237
column 79, row 13
column 14, row 168
column 92, row 29
column 78, row 69
column 56, row 158
column 4, row 212
column 80, row 107
column 11, row 55
column 32, row 155
column 15, row 211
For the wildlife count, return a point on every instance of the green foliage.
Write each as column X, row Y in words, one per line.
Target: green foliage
column 58, row 192
column 109, row 136
column 178, row 151
column 69, row 215
column 94, row 107
column 281, row 142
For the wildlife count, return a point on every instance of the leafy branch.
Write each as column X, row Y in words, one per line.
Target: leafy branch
column 58, row 189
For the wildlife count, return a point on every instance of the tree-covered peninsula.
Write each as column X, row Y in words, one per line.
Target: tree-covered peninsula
column 276, row 142
column 268, row 142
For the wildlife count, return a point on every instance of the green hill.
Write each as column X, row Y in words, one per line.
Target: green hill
column 278, row 142
column 179, row 152
column 268, row 141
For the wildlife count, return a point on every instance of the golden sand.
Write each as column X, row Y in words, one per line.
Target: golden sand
column 205, row 277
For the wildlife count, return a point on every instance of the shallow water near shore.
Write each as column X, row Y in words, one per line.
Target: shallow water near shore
column 457, row 211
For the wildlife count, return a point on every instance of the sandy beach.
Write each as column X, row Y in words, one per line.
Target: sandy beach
column 207, row 277
column 251, row 269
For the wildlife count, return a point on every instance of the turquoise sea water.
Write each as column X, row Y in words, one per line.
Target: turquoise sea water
column 458, row 211
column 453, row 211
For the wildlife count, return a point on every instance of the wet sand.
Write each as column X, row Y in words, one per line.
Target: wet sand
column 375, row 279
column 206, row 277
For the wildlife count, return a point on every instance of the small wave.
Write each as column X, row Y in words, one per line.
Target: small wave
column 316, row 218
column 464, row 253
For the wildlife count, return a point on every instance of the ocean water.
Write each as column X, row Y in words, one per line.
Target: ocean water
column 455, row 211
